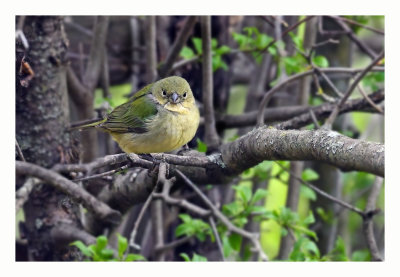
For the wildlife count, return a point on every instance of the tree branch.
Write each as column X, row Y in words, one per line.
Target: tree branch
column 326, row 146
column 177, row 46
column 97, row 48
column 360, row 76
column 211, row 137
column 292, row 78
column 100, row 209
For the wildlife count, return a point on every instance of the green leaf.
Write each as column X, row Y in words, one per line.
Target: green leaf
column 226, row 246
column 106, row 254
column 361, row 255
column 297, row 40
column 201, row 146
column 232, row 209
column 198, row 258
column 122, row 245
column 187, row 53
column 197, row 45
column 244, row 193
column 185, row 257
column 101, row 243
column 134, row 257
column 235, row 240
column 320, row 61
column 83, row 248
column 309, row 219
column 308, row 193
column 338, row 253
column 185, row 218
column 258, row 195
column 223, row 50
column 183, row 230
column 309, row 175
column 214, row 43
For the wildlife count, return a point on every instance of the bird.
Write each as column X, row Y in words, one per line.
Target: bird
column 160, row 117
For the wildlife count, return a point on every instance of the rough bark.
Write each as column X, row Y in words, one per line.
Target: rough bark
column 41, row 119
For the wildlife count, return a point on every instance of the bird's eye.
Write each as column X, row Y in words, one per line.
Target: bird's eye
column 184, row 95
column 164, row 93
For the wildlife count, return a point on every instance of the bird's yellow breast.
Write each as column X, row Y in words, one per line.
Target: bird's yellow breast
column 170, row 129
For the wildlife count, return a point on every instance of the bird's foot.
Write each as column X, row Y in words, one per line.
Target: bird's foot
column 183, row 150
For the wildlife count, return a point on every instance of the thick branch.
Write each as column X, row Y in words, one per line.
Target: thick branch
column 211, row 137
column 325, row 146
column 101, row 210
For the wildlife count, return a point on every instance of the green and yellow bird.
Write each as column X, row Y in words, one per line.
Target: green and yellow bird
column 161, row 117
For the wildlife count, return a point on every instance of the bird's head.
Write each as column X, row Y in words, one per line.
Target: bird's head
column 174, row 94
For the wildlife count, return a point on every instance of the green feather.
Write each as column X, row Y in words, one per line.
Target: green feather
column 131, row 117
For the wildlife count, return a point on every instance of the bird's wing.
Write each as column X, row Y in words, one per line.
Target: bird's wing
column 131, row 116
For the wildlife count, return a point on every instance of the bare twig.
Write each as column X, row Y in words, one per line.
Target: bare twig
column 363, row 47
column 366, row 97
column 322, row 193
column 323, row 111
column 19, row 151
column 359, row 24
column 107, row 173
column 173, row 244
column 217, row 238
column 360, row 76
column 268, row 95
column 289, row 29
column 177, row 46
column 329, row 82
column 211, row 137
column 100, row 209
column 368, row 228
column 314, row 119
column 137, row 222
column 22, row 194
column 216, row 212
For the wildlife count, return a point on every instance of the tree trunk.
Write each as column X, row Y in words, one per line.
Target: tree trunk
column 41, row 118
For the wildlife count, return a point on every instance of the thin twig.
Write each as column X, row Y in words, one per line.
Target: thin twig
column 216, row 212
column 370, row 211
column 366, row 97
column 360, row 76
column 95, row 176
column 314, row 119
column 363, row 47
column 289, row 29
column 173, row 244
column 359, row 24
column 322, row 193
column 217, row 238
column 177, row 46
column 22, row 194
column 267, row 95
column 326, row 78
column 138, row 220
column 19, row 151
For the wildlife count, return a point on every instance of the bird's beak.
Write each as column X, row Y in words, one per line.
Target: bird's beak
column 175, row 98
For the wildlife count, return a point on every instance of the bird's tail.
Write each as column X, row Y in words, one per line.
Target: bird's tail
column 86, row 124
